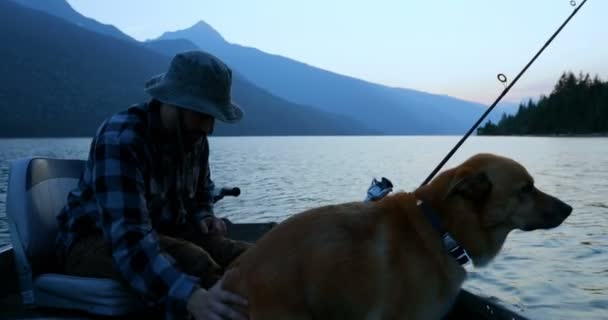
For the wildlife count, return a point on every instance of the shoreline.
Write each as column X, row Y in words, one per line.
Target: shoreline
column 558, row 135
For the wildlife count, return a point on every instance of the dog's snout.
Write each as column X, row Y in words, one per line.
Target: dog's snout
column 558, row 207
column 565, row 208
column 551, row 214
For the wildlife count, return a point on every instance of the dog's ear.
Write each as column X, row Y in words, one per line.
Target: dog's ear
column 474, row 186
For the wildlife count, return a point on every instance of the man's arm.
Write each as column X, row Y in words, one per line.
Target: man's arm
column 204, row 196
column 204, row 190
column 119, row 189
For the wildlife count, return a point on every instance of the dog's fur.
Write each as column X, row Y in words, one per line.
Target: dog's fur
column 384, row 260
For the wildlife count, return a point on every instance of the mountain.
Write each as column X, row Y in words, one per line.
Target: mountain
column 62, row 9
column 63, row 80
column 506, row 107
column 201, row 34
column 387, row 110
column 171, row 47
column 390, row 110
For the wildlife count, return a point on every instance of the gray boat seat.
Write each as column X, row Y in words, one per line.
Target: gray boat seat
column 37, row 190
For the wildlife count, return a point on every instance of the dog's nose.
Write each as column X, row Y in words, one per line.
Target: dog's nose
column 565, row 208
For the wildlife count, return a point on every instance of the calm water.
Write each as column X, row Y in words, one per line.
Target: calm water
column 553, row 274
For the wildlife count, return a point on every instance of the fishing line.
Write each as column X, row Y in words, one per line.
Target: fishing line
column 503, row 79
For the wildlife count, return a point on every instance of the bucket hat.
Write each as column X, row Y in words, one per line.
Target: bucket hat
column 197, row 81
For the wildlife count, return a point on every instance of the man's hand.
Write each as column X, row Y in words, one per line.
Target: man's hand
column 213, row 226
column 216, row 304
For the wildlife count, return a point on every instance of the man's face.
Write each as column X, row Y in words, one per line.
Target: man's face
column 194, row 125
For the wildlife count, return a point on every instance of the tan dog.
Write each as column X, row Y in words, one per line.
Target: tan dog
column 385, row 260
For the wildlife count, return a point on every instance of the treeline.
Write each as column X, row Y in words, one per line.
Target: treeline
column 577, row 106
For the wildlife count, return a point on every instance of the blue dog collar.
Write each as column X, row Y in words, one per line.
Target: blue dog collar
column 453, row 247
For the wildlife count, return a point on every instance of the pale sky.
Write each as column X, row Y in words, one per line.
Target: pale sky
column 438, row 46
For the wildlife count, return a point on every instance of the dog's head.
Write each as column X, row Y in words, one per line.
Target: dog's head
column 486, row 197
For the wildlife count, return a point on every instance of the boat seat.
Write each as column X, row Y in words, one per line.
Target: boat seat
column 37, row 191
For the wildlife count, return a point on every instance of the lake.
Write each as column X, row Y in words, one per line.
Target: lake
column 551, row 274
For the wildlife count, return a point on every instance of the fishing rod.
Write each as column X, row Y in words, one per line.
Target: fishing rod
column 502, row 78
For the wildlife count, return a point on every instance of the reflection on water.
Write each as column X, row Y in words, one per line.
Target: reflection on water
column 545, row 274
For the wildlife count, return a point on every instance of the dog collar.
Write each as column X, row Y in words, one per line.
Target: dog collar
column 455, row 250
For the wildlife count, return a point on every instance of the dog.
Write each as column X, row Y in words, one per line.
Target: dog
column 396, row 258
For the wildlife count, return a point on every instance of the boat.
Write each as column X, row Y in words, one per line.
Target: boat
column 36, row 190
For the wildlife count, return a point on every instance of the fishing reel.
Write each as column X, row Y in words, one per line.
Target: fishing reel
column 378, row 189
column 220, row 193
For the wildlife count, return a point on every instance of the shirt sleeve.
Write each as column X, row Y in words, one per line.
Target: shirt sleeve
column 204, row 196
column 119, row 189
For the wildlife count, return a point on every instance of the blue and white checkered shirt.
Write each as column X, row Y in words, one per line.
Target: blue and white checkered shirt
column 132, row 188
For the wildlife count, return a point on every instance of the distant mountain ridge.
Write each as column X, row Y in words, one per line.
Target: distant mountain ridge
column 201, row 34
column 391, row 110
column 62, row 9
column 63, row 80
column 171, row 47
column 368, row 107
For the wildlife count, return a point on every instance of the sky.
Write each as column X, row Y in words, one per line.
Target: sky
column 449, row 47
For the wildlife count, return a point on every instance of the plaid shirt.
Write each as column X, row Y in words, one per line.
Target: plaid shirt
column 133, row 187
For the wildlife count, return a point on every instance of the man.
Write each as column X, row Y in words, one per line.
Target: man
column 143, row 210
